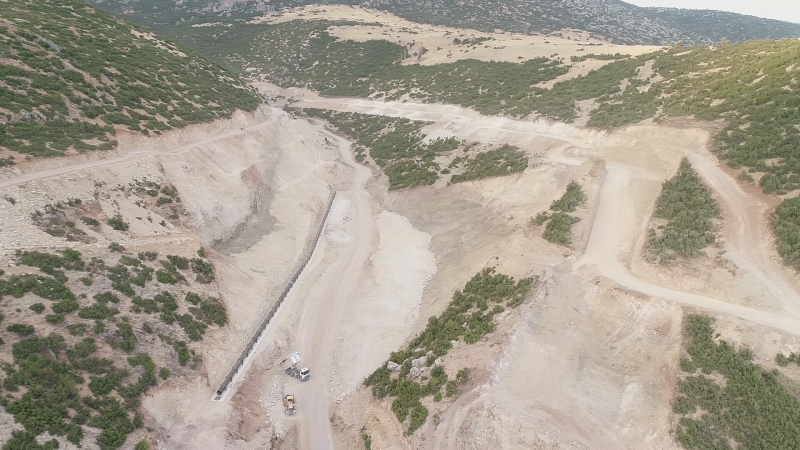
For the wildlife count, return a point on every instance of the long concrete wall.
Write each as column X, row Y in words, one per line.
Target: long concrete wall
column 254, row 340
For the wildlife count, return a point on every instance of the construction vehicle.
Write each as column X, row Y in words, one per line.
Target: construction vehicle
column 288, row 404
column 290, row 367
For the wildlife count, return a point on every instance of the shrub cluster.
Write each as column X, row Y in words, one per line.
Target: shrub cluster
column 505, row 160
column 469, row 316
column 559, row 223
column 686, row 203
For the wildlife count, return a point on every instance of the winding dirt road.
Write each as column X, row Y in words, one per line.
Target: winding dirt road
column 748, row 244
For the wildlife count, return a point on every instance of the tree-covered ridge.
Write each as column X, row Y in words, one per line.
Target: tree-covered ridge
column 731, row 402
column 611, row 19
column 70, row 72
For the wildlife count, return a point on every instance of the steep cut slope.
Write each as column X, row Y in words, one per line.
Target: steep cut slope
column 610, row 19
column 72, row 75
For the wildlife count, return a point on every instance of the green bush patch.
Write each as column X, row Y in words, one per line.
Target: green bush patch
column 732, row 400
column 686, row 203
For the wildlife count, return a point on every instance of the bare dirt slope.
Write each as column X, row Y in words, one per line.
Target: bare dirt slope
column 589, row 361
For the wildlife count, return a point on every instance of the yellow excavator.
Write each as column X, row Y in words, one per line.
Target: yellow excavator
column 288, row 404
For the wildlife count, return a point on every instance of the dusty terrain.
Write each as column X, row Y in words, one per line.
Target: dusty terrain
column 588, row 361
column 440, row 46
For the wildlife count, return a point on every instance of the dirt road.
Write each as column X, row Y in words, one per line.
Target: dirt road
column 604, row 249
column 125, row 158
column 747, row 243
column 326, row 300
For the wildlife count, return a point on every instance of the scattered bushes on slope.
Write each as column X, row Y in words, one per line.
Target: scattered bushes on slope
column 469, row 316
column 731, row 398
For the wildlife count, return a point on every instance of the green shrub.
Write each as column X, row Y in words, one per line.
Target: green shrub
column 118, row 223
column 540, row 218
column 77, row 329
column 418, row 417
column 203, row 270
column 179, row 262
column 462, row 377
column 194, row 329
column 37, row 307
column 493, row 163
column 193, row 298
column 97, row 311
column 24, row 440
column 165, row 277
column 211, row 311
column 54, row 318
column 183, row 352
column 20, row 329
column 367, row 439
column 90, row 221
column 47, row 263
column 558, row 228
column 571, row 199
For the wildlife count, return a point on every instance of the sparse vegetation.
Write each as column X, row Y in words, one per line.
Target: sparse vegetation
column 55, row 383
column 559, row 223
column 502, row 161
column 476, row 305
column 686, row 203
column 145, row 85
column 59, row 219
column 118, row 223
column 732, row 402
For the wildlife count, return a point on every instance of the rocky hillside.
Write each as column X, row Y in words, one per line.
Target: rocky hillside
column 72, row 76
column 611, row 19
